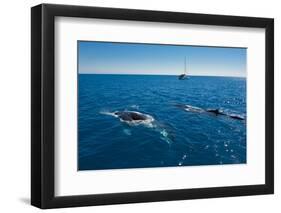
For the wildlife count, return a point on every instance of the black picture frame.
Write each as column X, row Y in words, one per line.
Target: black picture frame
column 43, row 102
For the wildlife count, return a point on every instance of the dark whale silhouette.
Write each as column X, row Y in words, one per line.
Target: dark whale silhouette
column 131, row 116
column 215, row 112
column 237, row 117
column 218, row 112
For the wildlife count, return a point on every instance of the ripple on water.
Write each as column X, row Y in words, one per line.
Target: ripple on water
column 105, row 142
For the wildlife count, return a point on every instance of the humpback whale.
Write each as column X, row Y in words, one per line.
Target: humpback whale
column 134, row 118
column 131, row 116
column 215, row 112
column 218, row 112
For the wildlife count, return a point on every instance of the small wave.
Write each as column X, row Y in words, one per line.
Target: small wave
column 193, row 108
column 165, row 136
column 127, row 132
column 164, row 133
column 134, row 106
column 182, row 160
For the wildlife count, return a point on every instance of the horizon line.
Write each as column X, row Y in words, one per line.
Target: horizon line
column 161, row 74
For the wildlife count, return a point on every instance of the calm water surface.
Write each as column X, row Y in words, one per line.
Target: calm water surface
column 176, row 137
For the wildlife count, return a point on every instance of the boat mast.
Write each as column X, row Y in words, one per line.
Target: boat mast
column 185, row 65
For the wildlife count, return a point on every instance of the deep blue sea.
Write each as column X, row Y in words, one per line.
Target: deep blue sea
column 174, row 136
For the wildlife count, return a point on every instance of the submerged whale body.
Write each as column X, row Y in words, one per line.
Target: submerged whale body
column 218, row 112
column 237, row 117
column 189, row 108
column 131, row 116
column 215, row 112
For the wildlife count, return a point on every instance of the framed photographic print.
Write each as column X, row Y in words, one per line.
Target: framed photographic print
column 140, row 106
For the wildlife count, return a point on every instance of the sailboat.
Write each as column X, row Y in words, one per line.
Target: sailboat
column 184, row 75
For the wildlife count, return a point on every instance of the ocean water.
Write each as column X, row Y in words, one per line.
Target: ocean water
column 174, row 136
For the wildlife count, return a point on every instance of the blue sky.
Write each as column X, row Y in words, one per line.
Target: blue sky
column 132, row 58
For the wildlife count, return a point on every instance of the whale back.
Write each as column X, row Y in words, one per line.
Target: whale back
column 131, row 116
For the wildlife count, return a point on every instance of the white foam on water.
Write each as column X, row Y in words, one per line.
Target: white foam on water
column 164, row 133
column 135, row 106
column 165, row 136
column 108, row 113
column 127, row 132
column 149, row 122
column 190, row 108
